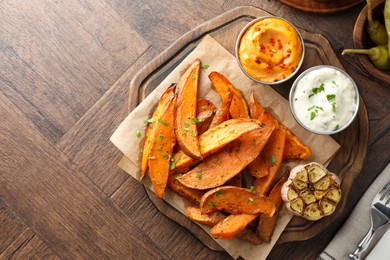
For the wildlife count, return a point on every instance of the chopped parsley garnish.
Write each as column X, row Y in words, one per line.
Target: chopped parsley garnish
column 312, row 115
column 198, row 175
column 330, row 97
column 186, row 124
column 138, row 133
column 252, row 189
column 251, row 200
column 196, row 120
column 160, row 138
column 205, row 66
column 163, row 122
column 159, row 148
column 253, row 141
column 317, row 90
column 337, row 127
column 334, row 82
column 148, row 121
column 211, row 205
column 334, row 107
column 173, row 163
column 184, row 131
column 193, row 134
column 165, row 156
column 272, row 159
column 315, row 112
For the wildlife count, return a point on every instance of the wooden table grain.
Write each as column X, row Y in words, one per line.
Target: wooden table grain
column 64, row 75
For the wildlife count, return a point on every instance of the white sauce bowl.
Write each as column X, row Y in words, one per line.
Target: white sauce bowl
column 324, row 99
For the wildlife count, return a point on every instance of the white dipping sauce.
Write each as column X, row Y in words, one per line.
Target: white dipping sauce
column 324, row 99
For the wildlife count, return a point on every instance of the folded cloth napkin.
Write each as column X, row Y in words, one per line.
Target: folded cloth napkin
column 357, row 225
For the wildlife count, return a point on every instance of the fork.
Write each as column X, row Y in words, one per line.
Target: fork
column 380, row 215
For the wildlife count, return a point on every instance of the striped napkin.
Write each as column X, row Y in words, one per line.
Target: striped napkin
column 356, row 227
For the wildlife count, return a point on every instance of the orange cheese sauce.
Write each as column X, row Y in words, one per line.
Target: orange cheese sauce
column 270, row 50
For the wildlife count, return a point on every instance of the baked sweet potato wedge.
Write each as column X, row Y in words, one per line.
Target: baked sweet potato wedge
column 238, row 107
column 255, row 108
column 213, row 218
column 226, row 163
column 231, row 226
column 208, row 219
column 152, row 132
column 294, row 148
column 163, row 141
column 270, row 161
column 192, row 195
column 214, row 139
column 204, row 119
column 185, row 111
column 222, row 113
column 266, row 224
column 236, row 200
column 203, row 104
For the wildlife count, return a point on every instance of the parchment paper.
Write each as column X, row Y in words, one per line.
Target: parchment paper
column 219, row 59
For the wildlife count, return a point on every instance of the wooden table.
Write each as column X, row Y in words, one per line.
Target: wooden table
column 64, row 77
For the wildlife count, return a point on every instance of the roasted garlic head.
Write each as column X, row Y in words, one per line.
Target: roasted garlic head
column 311, row 191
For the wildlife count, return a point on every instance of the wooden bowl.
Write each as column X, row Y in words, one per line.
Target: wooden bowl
column 362, row 41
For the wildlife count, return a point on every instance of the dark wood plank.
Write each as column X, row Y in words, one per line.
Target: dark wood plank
column 66, row 210
column 34, row 249
column 17, row 240
column 61, row 57
column 13, row 231
column 89, row 137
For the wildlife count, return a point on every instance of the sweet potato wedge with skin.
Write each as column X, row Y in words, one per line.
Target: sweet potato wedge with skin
column 151, row 133
column 266, row 224
column 191, row 194
column 213, row 218
column 223, row 165
column 205, row 118
column 236, row 200
column 162, row 146
column 255, row 108
column 259, row 167
column 238, row 107
column 271, row 160
column 231, row 226
column 222, row 113
column 214, row 139
column 208, row 219
column 185, row 111
column 203, row 104
column 294, row 148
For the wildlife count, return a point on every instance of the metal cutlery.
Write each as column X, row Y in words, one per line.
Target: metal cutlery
column 380, row 215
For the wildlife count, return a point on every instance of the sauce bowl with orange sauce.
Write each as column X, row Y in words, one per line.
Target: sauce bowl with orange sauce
column 270, row 50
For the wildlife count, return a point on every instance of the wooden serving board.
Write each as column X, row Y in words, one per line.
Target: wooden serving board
column 347, row 162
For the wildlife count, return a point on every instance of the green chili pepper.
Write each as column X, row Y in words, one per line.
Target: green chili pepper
column 386, row 14
column 379, row 56
column 375, row 29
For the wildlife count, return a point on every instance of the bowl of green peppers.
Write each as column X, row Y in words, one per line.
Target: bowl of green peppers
column 371, row 38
